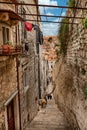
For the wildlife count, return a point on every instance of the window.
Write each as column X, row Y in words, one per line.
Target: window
column 27, row 101
column 25, row 78
column 5, row 34
column 24, row 17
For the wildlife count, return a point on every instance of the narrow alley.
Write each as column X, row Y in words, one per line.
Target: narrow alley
column 49, row 118
column 43, row 53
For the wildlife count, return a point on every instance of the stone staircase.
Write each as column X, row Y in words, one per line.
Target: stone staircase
column 49, row 118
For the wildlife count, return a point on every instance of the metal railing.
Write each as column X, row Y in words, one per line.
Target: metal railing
column 10, row 51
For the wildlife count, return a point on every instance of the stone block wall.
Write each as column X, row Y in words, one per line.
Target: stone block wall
column 71, row 76
column 77, row 60
column 29, row 95
column 29, row 61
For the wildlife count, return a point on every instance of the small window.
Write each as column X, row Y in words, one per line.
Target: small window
column 5, row 34
column 25, row 78
column 23, row 27
column 27, row 101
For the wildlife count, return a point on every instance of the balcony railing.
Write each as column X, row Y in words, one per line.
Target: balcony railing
column 7, row 51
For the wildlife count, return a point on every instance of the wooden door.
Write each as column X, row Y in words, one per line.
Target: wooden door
column 10, row 116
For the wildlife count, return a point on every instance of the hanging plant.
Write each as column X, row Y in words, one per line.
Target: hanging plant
column 84, row 22
column 63, row 36
column 71, row 3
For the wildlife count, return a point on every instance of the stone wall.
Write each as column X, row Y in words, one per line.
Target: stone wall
column 8, row 84
column 8, row 73
column 29, row 61
column 29, row 93
column 71, row 76
column 7, row 6
column 12, row 80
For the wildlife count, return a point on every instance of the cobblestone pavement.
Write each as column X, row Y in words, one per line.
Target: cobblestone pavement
column 49, row 118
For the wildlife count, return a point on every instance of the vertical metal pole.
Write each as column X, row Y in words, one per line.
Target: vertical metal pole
column 39, row 83
column 17, row 67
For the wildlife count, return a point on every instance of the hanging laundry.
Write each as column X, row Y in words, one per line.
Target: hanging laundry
column 28, row 26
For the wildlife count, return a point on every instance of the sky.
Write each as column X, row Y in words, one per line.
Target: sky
column 51, row 29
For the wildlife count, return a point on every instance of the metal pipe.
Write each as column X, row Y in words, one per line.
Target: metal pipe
column 52, row 16
column 49, row 21
column 17, row 67
column 37, row 10
column 42, row 5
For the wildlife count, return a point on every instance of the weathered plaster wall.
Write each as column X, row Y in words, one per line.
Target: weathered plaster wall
column 8, row 73
column 8, row 84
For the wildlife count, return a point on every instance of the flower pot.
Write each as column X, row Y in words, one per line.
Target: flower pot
column 7, row 49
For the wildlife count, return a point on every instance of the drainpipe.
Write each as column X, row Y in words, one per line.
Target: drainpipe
column 18, row 87
column 17, row 68
column 39, row 83
column 36, row 27
column 16, row 10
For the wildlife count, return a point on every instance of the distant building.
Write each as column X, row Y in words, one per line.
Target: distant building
column 48, row 59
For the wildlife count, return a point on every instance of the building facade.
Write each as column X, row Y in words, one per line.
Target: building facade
column 19, row 65
column 48, row 59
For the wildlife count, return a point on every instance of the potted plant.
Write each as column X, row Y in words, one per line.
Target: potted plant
column 7, row 47
column 18, row 47
column 71, row 3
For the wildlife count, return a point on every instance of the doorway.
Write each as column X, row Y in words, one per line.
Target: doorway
column 10, row 116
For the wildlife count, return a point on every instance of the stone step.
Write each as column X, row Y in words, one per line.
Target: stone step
column 49, row 118
column 46, row 125
column 60, row 128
